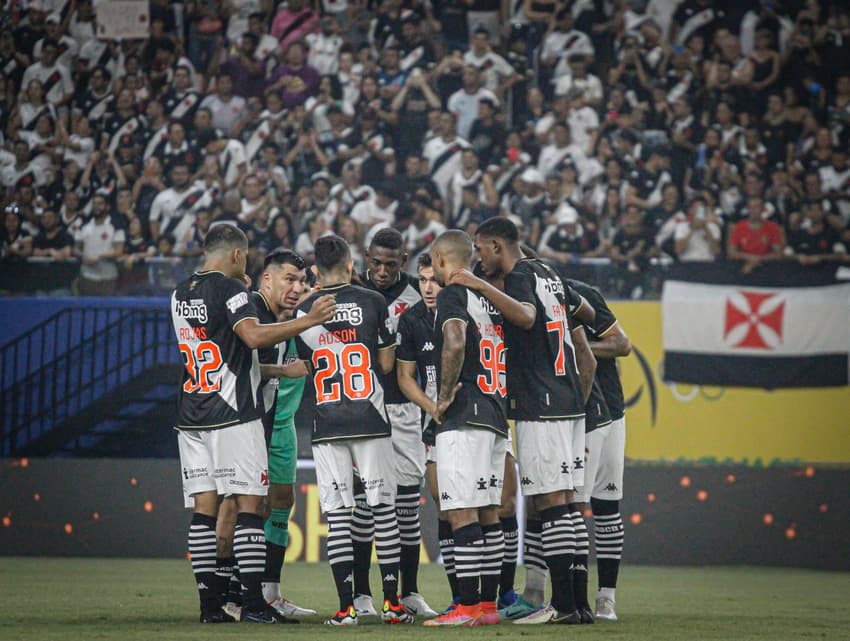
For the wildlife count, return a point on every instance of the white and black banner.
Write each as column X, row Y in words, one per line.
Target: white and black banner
column 769, row 337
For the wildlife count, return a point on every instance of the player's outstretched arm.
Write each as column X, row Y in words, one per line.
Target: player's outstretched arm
column 451, row 365
column 386, row 358
column 612, row 344
column 521, row 315
column 584, row 360
column 256, row 335
column 406, row 375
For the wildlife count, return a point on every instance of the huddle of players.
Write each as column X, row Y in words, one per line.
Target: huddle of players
column 364, row 427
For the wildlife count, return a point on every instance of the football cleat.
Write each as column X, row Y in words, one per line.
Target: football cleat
column 586, row 615
column 460, row 615
column 567, row 618
column 364, row 606
column 605, row 609
column 538, row 617
column 451, row 607
column 217, row 616
column 343, row 617
column 518, row 609
column 233, row 610
column 416, row 605
column 288, row 608
column 489, row 614
column 266, row 615
column 507, row 599
column 395, row 613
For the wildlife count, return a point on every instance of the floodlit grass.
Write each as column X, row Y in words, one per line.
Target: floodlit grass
column 86, row 599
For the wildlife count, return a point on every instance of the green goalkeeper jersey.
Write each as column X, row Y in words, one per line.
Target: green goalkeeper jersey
column 289, row 390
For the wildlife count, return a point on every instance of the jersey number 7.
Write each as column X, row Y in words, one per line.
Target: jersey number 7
column 562, row 331
column 202, row 363
column 354, row 362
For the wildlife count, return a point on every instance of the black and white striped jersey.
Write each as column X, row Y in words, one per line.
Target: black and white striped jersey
column 480, row 401
column 348, row 393
column 221, row 375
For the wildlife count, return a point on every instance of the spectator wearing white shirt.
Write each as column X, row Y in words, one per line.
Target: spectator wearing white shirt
column 559, row 150
column 579, row 77
column 464, row 102
column 443, row 153
column 497, row 74
column 226, row 108
column 421, row 232
column 563, row 41
column 325, row 47
column 67, row 47
column 55, row 78
column 99, row 244
column 697, row 237
column 381, row 209
column 583, row 121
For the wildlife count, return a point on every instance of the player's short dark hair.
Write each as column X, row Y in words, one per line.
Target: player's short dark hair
column 224, row 236
column 423, row 261
column 388, row 238
column 499, row 227
column 284, row 256
column 331, row 252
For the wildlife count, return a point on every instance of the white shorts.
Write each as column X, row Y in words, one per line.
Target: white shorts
column 335, row 465
column 431, row 450
column 579, row 456
column 606, row 454
column 231, row 460
column 545, row 455
column 470, row 468
column 410, row 455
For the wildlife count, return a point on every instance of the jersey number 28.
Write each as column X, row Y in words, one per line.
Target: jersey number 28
column 355, row 364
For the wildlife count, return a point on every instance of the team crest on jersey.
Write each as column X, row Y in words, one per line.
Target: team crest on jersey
column 350, row 313
column 235, row 302
column 194, row 308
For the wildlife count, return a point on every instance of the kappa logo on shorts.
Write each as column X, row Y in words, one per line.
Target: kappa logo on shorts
column 578, row 464
column 482, row 484
column 611, row 487
column 494, row 482
column 525, row 481
column 445, row 497
column 565, row 469
column 335, row 486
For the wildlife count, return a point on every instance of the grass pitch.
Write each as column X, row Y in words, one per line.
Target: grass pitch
column 128, row 600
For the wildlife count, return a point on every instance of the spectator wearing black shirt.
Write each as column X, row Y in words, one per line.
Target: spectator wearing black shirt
column 815, row 241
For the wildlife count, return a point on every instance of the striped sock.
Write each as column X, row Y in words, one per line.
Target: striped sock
column 249, row 547
column 447, row 551
column 223, row 573
column 362, row 533
column 535, row 566
column 491, row 560
column 559, row 542
column 580, row 560
column 608, row 535
column 508, row 574
column 407, row 513
column 388, row 549
column 469, row 546
column 201, row 543
column 341, row 555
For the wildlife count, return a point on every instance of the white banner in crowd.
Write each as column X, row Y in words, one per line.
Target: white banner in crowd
column 123, row 20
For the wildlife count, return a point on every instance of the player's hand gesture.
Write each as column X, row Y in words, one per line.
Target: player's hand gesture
column 323, row 309
column 464, row 277
column 443, row 404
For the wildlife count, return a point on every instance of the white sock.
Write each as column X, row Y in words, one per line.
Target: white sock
column 608, row 593
column 271, row 591
column 535, row 585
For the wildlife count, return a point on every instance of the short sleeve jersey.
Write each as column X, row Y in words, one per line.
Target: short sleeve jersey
column 268, row 355
column 543, row 380
column 480, row 401
column 221, row 375
column 606, row 368
column 343, row 352
column 399, row 298
column 415, row 344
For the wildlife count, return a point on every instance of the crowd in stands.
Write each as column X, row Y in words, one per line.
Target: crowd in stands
column 625, row 130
